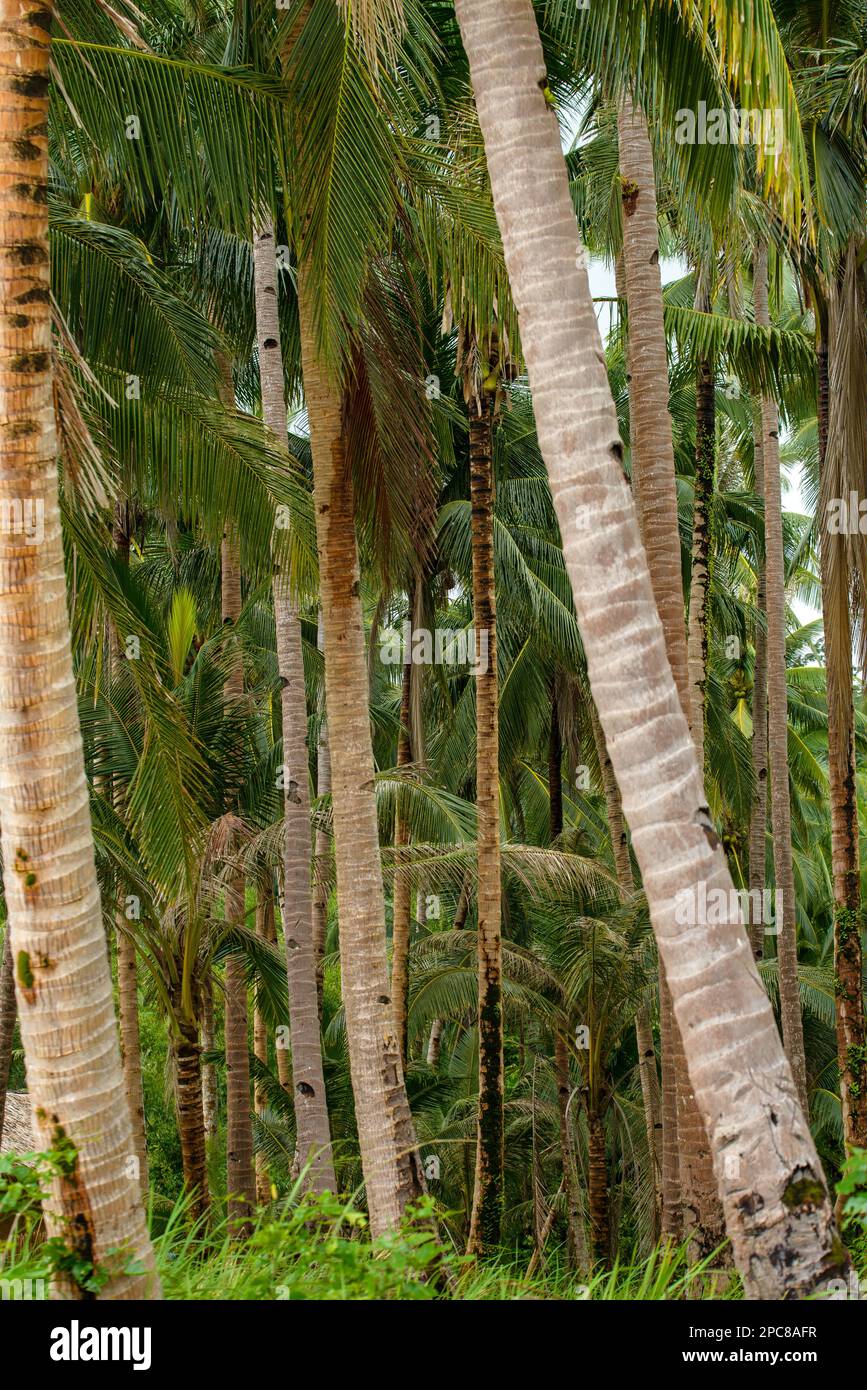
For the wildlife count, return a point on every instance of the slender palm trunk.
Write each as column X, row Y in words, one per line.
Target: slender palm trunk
column 265, row 929
column 597, row 1188
column 8, row 1015
column 848, row 966
column 63, row 977
column 705, row 460
column 385, row 1129
column 127, row 966
column 311, row 1109
column 322, row 845
column 555, row 769
column 210, row 1104
column 488, row 1193
column 777, row 1209
column 759, row 746
column 187, row 1058
column 778, row 718
column 240, row 1180
column 402, row 878
column 575, row 1243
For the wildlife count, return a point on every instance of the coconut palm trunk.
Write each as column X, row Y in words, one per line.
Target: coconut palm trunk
column 759, row 742
column 8, row 1015
column 837, row 623
column 385, row 1128
column 308, row 1078
column 240, row 1179
column 210, row 1099
column 192, row 1117
column 322, row 844
column 597, row 1190
column 778, row 716
column 63, row 979
column 575, row 1242
column 127, row 965
column 266, row 931
column 776, row 1204
column 653, row 480
column 401, row 904
column 488, row 1191
column 699, row 587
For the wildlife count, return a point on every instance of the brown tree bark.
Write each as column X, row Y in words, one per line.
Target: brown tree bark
column 8, row 1015
column 778, row 718
column 487, row 1211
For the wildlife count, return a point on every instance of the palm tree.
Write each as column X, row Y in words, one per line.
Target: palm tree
column 488, row 1191
column 311, row 1111
column 778, row 728
column 63, row 980
column 659, row 777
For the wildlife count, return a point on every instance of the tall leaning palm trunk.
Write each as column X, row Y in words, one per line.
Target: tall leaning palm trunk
column 313, row 1141
column 776, row 1205
column 385, row 1128
column 778, row 715
column 653, row 480
column 487, row 1210
column 62, row 973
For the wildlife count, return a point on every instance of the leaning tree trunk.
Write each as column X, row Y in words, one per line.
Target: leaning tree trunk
column 836, row 619
column 240, row 1179
column 385, row 1128
column 653, row 480
column 776, row 1204
column 313, row 1144
column 8, row 1015
column 487, row 1211
column 778, row 717
column 62, row 972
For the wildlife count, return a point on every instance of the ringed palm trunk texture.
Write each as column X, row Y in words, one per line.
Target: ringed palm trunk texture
column 778, row 717
column 653, row 480
column 210, row 1099
column 575, row 1245
column 8, row 1015
column 385, row 1128
column 400, row 917
column 776, row 1204
column 127, row 967
column 848, row 968
column 705, row 450
column 759, row 747
column 487, row 1212
column 266, row 931
column 308, row 1078
column 61, row 965
column 240, row 1180
column 192, row 1114
column 322, row 846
